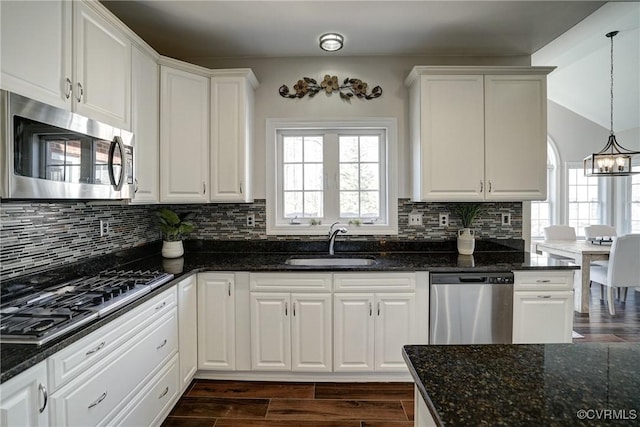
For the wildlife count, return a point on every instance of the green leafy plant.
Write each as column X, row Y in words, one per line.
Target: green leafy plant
column 468, row 212
column 173, row 227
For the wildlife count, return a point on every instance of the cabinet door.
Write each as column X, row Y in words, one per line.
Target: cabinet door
column 542, row 317
column 270, row 331
column 311, row 332
column 451, row 138
column 231, row 130
column 353, row 332
column 184, row 136
column 516, row 137
column 145, row 121
column 187, row 329
column 24, row 398
column 36, row 50
column 216, row 321
column 395, row 314
column 102, row 68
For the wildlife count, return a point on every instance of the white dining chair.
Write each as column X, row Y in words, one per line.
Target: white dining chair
column 559, row 232
column 599, row 231
column 593, row 232
column 623, row 270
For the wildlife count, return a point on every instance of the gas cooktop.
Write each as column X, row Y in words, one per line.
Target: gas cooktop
column 36, row 317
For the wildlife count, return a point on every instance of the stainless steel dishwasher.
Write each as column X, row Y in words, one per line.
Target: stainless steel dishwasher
column 471, row 308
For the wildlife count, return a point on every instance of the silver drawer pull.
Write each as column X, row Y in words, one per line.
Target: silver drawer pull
column 161, row 305
column 45, row 397
column 100, row 399
column 98, row 348
column 164, row 393
column 161, row 345
column 543, row 281
column 544, row 296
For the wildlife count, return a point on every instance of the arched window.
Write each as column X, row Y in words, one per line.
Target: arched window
column 545, row 213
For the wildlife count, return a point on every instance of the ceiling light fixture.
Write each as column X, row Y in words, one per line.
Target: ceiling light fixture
column 613, row 159
column 331, row 42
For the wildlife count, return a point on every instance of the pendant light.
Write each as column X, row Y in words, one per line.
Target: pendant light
column 613, row 159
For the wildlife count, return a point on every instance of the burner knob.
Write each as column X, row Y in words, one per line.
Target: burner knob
column 97, row 300
column 107, row 295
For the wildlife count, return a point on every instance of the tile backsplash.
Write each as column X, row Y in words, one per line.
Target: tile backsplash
column 36, row 235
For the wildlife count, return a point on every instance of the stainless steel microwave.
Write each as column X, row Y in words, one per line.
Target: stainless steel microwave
column 50, row 153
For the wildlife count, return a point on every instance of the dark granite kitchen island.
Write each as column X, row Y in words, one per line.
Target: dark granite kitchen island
column 528, row 385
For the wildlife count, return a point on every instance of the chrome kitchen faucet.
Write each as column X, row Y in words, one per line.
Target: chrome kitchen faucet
column 332, row 235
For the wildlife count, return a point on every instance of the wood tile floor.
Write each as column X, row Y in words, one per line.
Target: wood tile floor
column 600, row 326
column 275, row 404
column 272, row 404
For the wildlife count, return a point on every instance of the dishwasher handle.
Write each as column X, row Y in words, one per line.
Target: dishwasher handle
column 473, row 279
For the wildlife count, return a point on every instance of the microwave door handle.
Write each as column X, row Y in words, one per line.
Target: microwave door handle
column 117, row 141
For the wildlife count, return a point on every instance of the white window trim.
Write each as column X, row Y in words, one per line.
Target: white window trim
column 605, row 195
column 274, row 125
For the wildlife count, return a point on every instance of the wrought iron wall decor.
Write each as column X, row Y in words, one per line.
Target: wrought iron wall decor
column 348, row 89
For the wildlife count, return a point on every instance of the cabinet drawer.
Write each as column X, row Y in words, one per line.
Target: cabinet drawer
column 155, row 400
column 98, row 394
column 290, row 282
column 72, row 360
column 374, row 282
column 551, row 281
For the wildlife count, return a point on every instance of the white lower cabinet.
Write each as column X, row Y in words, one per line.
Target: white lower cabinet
column 156, row 400
column 188, row 329
column 291, row 322
column 24, row 398
column 216, row 321
column 370, row 330
column 543, row 307
column 291, row 331
column 100, row 377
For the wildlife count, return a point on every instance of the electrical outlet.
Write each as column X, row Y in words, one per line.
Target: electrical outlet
column 251, row 220
column 443, row 220
column 104, row 228
column 415, row 219
column 506, row 219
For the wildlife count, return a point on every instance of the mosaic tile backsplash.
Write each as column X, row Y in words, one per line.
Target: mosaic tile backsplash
column 37, row 236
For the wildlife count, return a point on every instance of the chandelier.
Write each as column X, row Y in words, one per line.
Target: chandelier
column 613, row 159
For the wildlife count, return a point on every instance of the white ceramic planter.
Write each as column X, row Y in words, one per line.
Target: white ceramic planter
column 466, row 241
column 172, row 249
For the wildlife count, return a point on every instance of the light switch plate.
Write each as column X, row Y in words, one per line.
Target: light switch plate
column 506, row 219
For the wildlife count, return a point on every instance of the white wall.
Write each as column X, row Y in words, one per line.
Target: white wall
column 576, row 137
column 387, row 72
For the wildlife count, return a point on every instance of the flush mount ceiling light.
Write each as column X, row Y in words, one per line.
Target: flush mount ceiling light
column 613, row 159
column 331, row 42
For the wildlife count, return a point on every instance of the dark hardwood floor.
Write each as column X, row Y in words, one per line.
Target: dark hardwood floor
column 275, row 404
column 291, row 404
column 600, row 326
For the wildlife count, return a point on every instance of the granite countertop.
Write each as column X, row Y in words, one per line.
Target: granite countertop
column 261, row 256
column 528, row 384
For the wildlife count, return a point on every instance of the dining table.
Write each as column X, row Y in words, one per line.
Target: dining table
column 582, row 253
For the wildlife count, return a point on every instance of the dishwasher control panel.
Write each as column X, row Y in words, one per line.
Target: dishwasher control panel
column 507, row 279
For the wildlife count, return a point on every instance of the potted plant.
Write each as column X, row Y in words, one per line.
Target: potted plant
column 173, row 228
column 466, row 236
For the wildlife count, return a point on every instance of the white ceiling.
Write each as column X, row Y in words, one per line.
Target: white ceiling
column 194, row 29
column 566, row 34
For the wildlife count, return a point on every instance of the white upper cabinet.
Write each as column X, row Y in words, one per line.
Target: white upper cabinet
column 72, row 55
column 145, row 123
column 102, row 68
column 36, row 50
column 471, row 129
column 231, row 135
column 184, row 136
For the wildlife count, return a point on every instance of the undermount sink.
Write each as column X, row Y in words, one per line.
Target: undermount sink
column 330, row 262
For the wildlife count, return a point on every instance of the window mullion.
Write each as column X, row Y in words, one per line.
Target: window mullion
column 332, row 177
